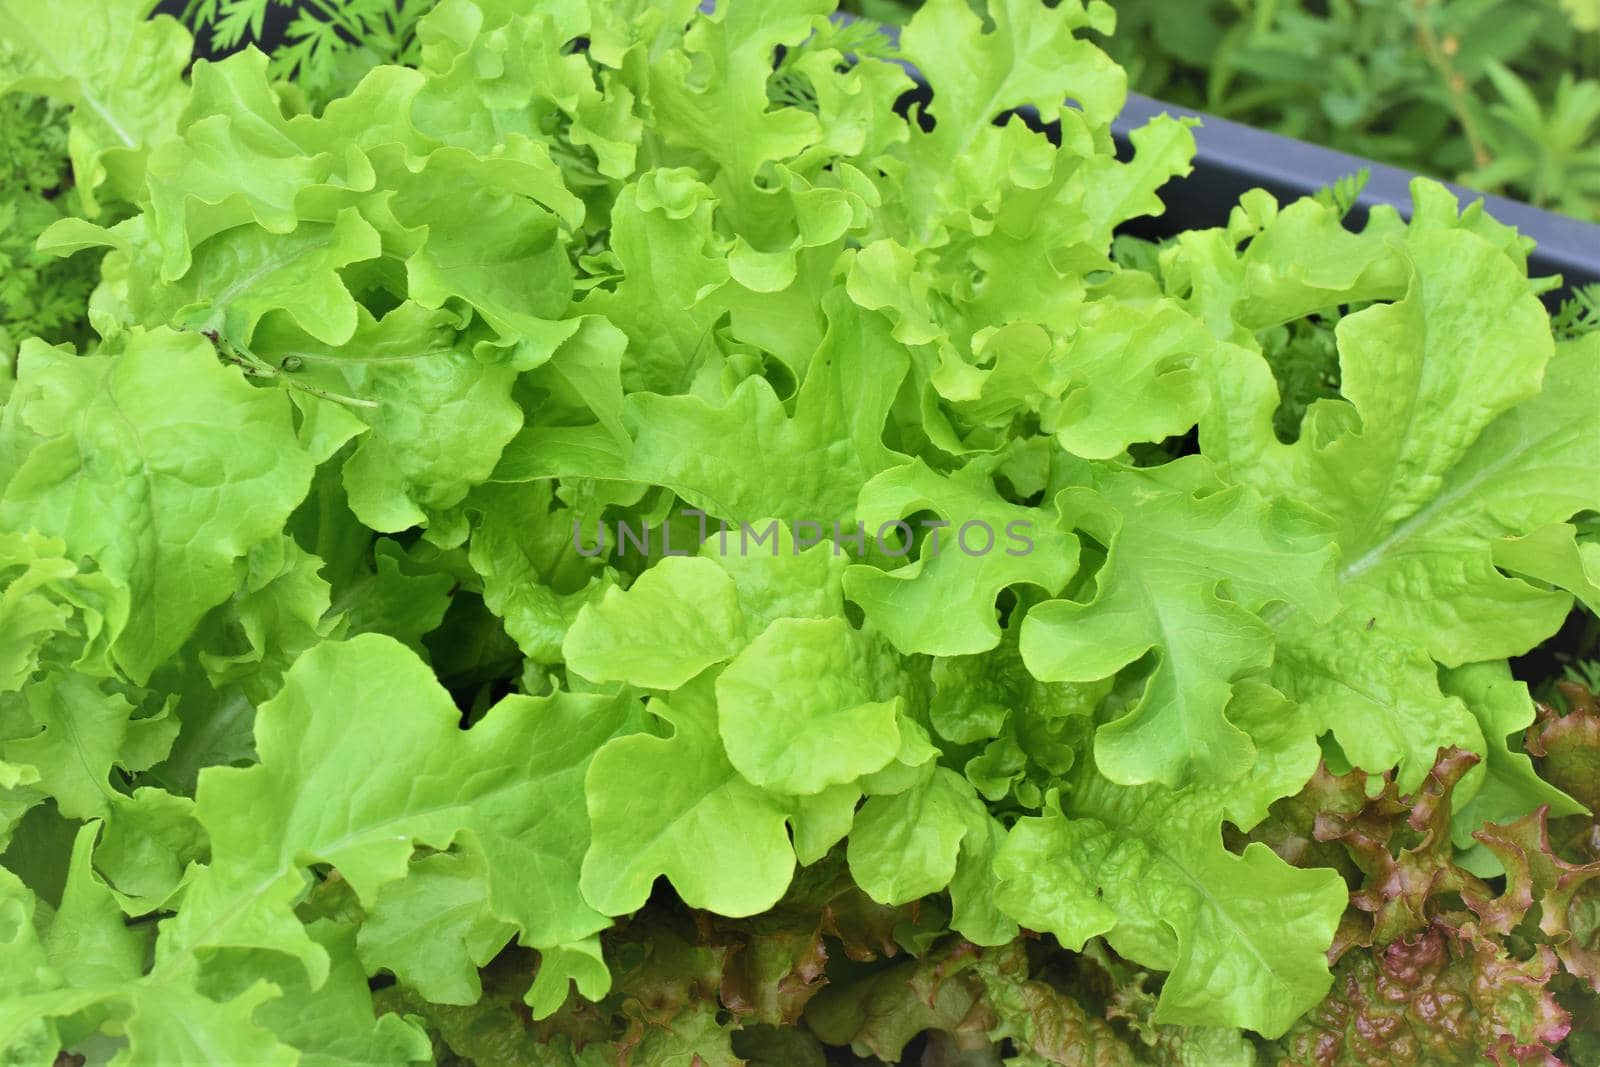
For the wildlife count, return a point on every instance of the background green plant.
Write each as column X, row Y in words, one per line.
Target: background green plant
column 326, row 45
column 40, row 296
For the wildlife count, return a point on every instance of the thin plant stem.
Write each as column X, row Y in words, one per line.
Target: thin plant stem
column 1439, row 54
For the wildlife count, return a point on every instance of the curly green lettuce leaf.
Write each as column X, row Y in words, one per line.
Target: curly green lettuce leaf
column 670, row 259
column 77, row 729
column 1030, row 732
column 238, row 655
column 809, row 704
column 280, row 610
column 534, row 576
column 723, row 457
column 677, row 619
column 497, row 74
column 1555, row 554
column 675, row 806
column 161, row 465
column 712, row 100
column 1244, row 936
column 1507, row 787
column 53, row 611
column 522, row 804
column 83, row 972
column 806, row 702
column 475, row 231
column 239, row 159
column 1191, row 565
column 336, row 1022
column 1432, row 583
column 434, row 928
column 1132, row 377
column 780, row 578
column 403, row 596
column 1455, row 431
column 905, row 845
column 943, row 602
column 1434, row 471
column 234, row 280
column 435, row 416
column 1023, row 57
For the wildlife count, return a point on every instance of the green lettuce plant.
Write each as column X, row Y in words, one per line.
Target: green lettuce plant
column 326, row 737
column 1500, row 95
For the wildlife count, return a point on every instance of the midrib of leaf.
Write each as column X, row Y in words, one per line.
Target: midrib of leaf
column 991, row 108
column 1414, row 402
column 1170, row 641
column 1169, row 656
column 154, row 592
column 222, row 718
column 269, row 266
column 87, row 98
column 1405, row 531
column 75, row 738
column 1244, row 935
